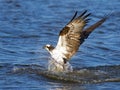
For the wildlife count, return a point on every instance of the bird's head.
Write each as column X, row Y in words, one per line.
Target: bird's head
column 48, row 47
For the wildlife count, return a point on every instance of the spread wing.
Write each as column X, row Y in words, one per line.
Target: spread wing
column 73, row 35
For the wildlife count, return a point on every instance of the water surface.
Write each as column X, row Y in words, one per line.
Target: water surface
column 27, row 25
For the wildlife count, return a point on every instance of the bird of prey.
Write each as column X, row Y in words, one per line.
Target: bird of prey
column 70, row 38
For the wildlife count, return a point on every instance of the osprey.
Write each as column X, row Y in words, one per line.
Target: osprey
column 70, row 38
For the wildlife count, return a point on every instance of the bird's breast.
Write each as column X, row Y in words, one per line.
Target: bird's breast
column 58, row 55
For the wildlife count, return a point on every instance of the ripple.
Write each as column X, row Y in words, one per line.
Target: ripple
column 27, row 25
column 79, row 75
column 103, row 48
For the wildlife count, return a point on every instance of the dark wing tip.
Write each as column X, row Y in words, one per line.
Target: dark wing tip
column 86, row 15
column 83, row 13
column 73, row 17
column 87, row 20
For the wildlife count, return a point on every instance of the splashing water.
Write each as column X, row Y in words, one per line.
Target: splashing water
column 81, row 75
column 55, row 66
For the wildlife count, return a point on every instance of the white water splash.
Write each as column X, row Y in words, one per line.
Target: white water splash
column 55, row 66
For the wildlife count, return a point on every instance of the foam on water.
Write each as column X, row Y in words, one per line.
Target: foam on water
column 82, row 75
column 55, row 66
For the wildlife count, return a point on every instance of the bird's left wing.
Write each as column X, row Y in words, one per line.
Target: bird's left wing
column 69, row 37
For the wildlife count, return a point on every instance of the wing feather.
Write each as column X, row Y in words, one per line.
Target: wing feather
column 72, row 35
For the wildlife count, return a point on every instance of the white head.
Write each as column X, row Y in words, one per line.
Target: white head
column 48, row 47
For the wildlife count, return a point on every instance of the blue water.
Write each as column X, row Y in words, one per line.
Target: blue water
column 27, row 25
